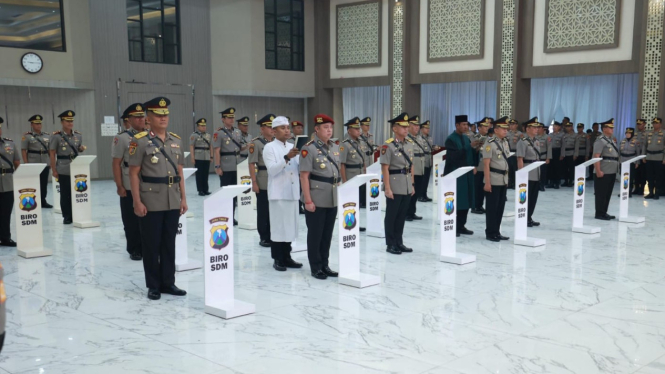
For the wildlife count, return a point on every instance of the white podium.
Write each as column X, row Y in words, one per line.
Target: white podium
column 435, row 173
column 56, row 195
column 522, row 206
column 188, row 173
column 447, row 204
column 218, row 241
column 182, row 260
column 376, row 201
column 28, row 212
column 82, row 192
column 246, row 213
column 579, row 191
column 349, row 234
column 625, row 191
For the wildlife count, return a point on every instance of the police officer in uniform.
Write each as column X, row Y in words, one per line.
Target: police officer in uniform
column 297, row 129
column 155, row 170
column 423, row 138
column 630, row 147
column 495, row 163
column 606, row 170
column 319, row 178
column 227, row 145
column 640, row 172
column 200, row 149
column 545, row 155
column 134, row 117
column 64, row 147
column 554, row 142
column 418, row 165
column 398, row 182
column 582, row 146
column 353, row 154
column 34, row 147
column 567, row 155
column 514, row 134
column 259, row 175
column 367, row 138
column 9, row 161
column 479, row 139
column 528, row 151
column 245, row 136
column 654, row 148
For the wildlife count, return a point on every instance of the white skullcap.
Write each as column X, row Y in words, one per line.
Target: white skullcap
column 280, row 121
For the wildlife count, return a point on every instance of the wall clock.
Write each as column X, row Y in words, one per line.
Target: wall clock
column 32, row 63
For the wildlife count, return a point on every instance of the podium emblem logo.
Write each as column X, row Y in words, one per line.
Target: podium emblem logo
column 436, row 171
column 580, row 188
column 27, row 200
column 374, row 188
column 81, row 183
column 522, row 193
column 245, row 180
column 350, row 221
column 626, row 181
column 219, row 233
column 449, row 203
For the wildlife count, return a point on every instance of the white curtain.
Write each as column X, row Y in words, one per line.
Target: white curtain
column 586, row 99
column 369, row 102
column 441, row 102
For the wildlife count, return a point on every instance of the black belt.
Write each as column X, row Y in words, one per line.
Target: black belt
column 570, row 149
column 331, row 180
column 428, row 153
column 38, row 152
column 353, row 166
column 418, row 155
column 499, row 171
column 70, row 157
column 204, row 148
column 611, row 158
column 228, row 153
column 627, row 155
column 162, row 180
column 6, row 171
column 528, row 161
column 368, row 153
column 654, row 152
column 513, row 150
column 261, row 167
column 398, row 171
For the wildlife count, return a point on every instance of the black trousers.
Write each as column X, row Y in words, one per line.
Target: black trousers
column 640, row 178
column 418, row 186
column 65, row 182
column 554, row 171
column 512, row 169
column 479, row 184
column 602, row 188
column 280, row 251
column 158, row 232
column 362, row 195
column 544, row 169
column 427, row 176
column 496, row 202
column 660, row 183
column 393, row 223
column 568, row 169
column 130, row 223
column 43, row 183
column 6, row 206
column 534, row 188
column 633, row 178
column 263, row 215
column 230, row 178
column 462, row 215
column 320, row 226
column 654, row 175
column 202, row 171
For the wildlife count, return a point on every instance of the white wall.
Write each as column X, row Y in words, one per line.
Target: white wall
column 622, row 53
column 375, row 71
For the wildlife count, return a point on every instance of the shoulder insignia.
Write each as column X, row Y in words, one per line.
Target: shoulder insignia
column 304, row 153
column 7, row 139
column 219, row 129
column 410, row 140
column 27, row 133
column 56, row 132
column 251, row 147
column 492, row 140
column 389, row 141
column 488, row 148
column 174, row 135
column 341, row 148
column 141, row 134
column 310, row 142
column 257, row 138
column 77, row 132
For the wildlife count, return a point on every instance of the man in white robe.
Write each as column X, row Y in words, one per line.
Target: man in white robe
column 282, row 162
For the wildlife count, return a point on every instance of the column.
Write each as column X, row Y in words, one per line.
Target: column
column 652, row 84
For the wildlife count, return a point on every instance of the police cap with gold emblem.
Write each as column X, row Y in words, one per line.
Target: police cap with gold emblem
column 320, row 119
column 533, row 122
column 487, row 121
column 243, row 121
column 67, row 115
column 501, row 123
column 158, row 105
column 36, row 119
column 353, row 123
column 401, row 120
column 202, row 122
column 366, row 121
column 657, row 120
column 414, row 120
column 641, row 121
column 266, row 120
column 296, row 123
column 630, row 130
column 228, row 113
column 512, row 121
column 567, row 124
column 609, row 123
column 424, row 125
column 134, row 110
column 580, row 125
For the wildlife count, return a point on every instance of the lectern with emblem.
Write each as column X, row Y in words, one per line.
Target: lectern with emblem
column 28, row 212
column 82, row 192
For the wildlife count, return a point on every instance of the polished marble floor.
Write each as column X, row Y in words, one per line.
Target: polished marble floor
column 581, row 304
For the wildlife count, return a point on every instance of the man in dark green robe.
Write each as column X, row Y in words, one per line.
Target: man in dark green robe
column 459, row 154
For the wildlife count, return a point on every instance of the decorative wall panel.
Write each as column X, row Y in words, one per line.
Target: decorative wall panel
column 359, row 34
column 507, row 58
column 398, row 59
column 652, row 59
column 455, row 29
column 581, row 24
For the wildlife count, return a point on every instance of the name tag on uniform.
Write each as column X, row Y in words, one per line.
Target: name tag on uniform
column 174, row 145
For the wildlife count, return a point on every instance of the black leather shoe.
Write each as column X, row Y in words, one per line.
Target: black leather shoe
column 541, row 188
column 173, row 290
column 264, row 243
column 422, row 200
column 532, row 223
column 279, row 266
column 409, row 218
column 207, row 193
column 656, row 197
column 327, row 271
column 465, row 231
column 458, row 234
column 67, row 221
column 604, row 217
column 394, row 250
column 649, row 196
column 135, row 257
column 8, row 243
column 289, row 263
column 416, row 218
column 319, row 275
column 201, row 193
column 404, row 248
column 235, row 223
column 46, row 205
column 427, row 199
column 501, row 237
column 610, row 216
column 154, row 294
column 362, row 229
column 477, row 211
column 493, row 238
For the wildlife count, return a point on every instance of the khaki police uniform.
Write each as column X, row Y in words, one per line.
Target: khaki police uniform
column 229, row 143
column 419, row 161
column 9, row 154
column 640, row 172
column 603, row 186
column 353, row 155
column 582, row 147
column 120, row 150
column 630, row 148
column 399, row 156
column 67, row 147
column 255, row 150
column 513, row 137
column 554, row 142
column 202, row 142
column 497, row 151
column 545, row 154
column 654, row 149
column 568, row 141
column 529, row 150
column 245, row 139
column 37, row 147
column 478, row 178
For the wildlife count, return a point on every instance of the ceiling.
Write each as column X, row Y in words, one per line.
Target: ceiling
column 32, row 24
